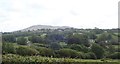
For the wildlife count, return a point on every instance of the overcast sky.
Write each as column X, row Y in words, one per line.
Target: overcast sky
column 19, row 14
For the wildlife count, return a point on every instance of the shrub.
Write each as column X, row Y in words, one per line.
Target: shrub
column 24, row 50
column 8, row 48
column 115, row 55
column 79, row 47
column 55, row 46
column 45, row 51
column 21, row 41
column 117, row 49
column 81, row 55
column 68, row 53
column 90, row 55
column 35, row 39
column 78, row 39
column 8, row 38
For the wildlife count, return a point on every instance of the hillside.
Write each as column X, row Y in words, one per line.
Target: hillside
column 85, row 46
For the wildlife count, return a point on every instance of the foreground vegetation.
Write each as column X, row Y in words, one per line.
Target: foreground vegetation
column 10, row 58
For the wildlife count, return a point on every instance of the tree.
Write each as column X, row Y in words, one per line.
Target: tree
column 109, row 37
column 55, row 46
column 92, row 35
column 55, row 37
column 21, row 41
column 78, row 39
column 104, row 37
column 9, row 38
column 35, row 39
column 97, row 30
column 98, row 50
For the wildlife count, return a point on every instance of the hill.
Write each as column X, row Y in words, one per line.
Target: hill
column 39, row 27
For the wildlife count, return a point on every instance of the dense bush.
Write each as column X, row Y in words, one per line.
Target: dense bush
column 111, row 49
column 8, row 48
column 45, row 51
column 36, row 39
column 90, row 55
column 8, row 38
column 53, row 37
column 79, row 47
column 75, row 47
column 81, row 55
column 115, row 55
column 78, row 39
column 68, row 53
column 24, row 50
column 55, row 46
column 40, row 45
column 117, row 49
column 21, row 41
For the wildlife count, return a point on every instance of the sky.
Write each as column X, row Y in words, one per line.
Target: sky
column 20, row 14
